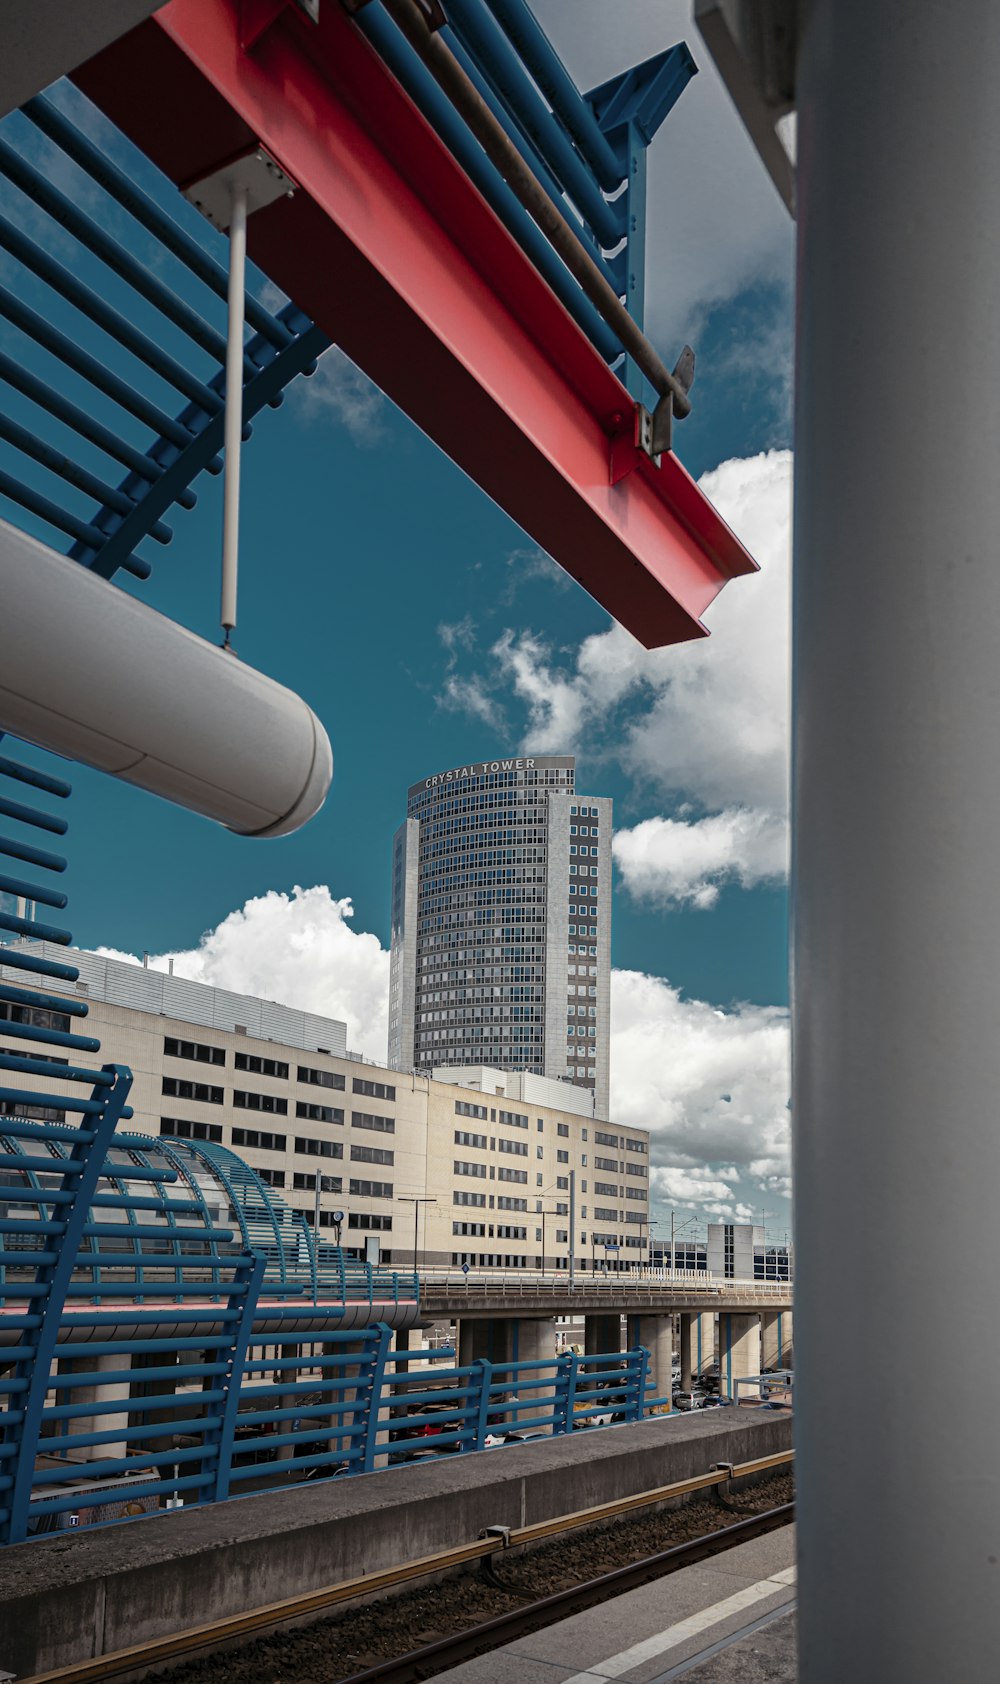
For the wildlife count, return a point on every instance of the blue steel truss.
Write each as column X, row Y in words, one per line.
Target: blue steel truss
column 130, row 305
column 166, row 375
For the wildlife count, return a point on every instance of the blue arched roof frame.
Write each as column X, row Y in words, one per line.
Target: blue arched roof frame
column 268, row 1225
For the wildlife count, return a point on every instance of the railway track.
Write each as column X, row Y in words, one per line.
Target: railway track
column 492, row 1553
column 450, row 1651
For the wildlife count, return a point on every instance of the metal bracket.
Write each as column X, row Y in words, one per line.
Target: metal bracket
column 723, row 1467
column 502, row 1532
column 261, row 175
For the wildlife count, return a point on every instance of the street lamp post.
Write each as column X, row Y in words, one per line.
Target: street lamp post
column 410, row 1199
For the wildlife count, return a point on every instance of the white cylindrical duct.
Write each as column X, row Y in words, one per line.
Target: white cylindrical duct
column 92, row 674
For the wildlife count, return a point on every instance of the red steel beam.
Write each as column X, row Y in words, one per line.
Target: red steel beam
column 392, row 250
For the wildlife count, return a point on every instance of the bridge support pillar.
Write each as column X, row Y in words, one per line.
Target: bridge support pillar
column 739, row 1349
column 776, row 1339
column 697, row 1346
column 770, row 1339
column 100, row 1396
column 490, row 1338
column 536, row 1340
column 601, row 1334
column 657, row 1334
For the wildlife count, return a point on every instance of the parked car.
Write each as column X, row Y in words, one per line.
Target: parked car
column 688, row 1400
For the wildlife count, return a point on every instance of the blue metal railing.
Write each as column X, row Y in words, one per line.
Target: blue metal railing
column 202, row 1412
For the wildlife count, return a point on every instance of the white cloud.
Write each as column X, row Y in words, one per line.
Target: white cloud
column 300, row 950
column 704, row 725
column 467, row 695
column 665, row 861
column 339, row 389
column 712, row 1087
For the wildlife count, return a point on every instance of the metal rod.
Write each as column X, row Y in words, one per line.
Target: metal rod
column 505, row 157
column 234, row 411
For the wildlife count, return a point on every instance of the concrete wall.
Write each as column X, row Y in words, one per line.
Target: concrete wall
column 69, row 1597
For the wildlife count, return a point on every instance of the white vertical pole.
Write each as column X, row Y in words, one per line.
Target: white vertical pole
column 897, row 834
column 234, row 409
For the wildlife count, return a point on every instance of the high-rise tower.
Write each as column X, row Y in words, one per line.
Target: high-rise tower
column 501, row 923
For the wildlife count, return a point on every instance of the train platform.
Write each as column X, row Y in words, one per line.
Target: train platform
column 728, row 1621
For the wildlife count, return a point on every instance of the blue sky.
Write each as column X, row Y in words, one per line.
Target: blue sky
column 426, row 630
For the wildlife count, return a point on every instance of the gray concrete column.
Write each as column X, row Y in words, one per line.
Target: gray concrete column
column 657, row 1334
column 897, row 819
column 786, row 1340
column 739, row 1350
column 601, row 1334
column 466, row 1343
column 100, row 1396
column 536, row 1340
column 686, row 1343
column 770, row 1339
column 703, row 1343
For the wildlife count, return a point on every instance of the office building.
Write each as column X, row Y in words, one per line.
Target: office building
column 501, row 924
column 478, row 1162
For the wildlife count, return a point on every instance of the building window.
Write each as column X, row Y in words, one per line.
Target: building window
column 373, row 1224
column 463, row 1108
column 371, row 1189
column 601, row 1139
column 191, row 1090
column 514, row 1119
column 518, row 1147
column 259, row 1102
column 320, row 1078
column 262, row 1141
column 260, row 1066
column 562, row 1130
column 319, row 1113
column 307, row 1184
column 562, row 1157
column 478, row 1199
column 505, row 1174
column 464, row 1138
column 196, row 1050
column 368, row 1120
column 469, row 1228
column 273, row 1177
column 463, row 1168
column 317, row 1148
column 185, row 1129
column 372, row 1090
column 371, row 1155
column 504, row 1203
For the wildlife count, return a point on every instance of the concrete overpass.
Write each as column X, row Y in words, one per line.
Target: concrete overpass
column 512, row 1318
